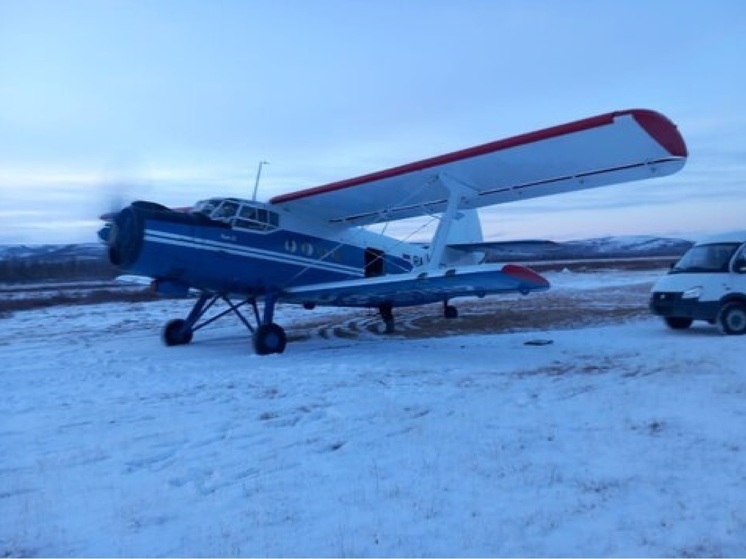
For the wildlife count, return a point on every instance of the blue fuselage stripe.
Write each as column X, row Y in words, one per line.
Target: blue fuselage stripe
column 230, row 260
column 222, row 247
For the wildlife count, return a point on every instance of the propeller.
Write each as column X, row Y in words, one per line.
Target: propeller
column 122, row 184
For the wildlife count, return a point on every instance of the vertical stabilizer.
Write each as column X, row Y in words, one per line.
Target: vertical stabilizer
column 466, row 228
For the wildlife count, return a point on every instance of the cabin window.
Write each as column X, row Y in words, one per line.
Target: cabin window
column 239, row 213
column 258, row 219
column 226, row 211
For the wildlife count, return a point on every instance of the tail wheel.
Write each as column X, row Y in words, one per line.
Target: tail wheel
column 269, row 338
column 449, row 311
column 176, row 332
column 732, row 319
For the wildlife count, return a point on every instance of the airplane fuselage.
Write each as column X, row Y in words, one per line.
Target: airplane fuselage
column 241, row 247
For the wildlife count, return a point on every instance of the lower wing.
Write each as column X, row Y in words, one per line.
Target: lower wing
column 401, row 290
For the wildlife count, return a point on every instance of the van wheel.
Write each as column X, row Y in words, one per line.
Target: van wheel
column 732, row 319
column 678, row 322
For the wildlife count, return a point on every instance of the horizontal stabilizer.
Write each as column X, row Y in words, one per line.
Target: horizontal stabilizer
column 507, row 247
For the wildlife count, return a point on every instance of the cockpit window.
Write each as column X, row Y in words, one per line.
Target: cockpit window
column 251, row 217
column 226, row 211
column 205, row 207
column 239, row 213
column 706, row 258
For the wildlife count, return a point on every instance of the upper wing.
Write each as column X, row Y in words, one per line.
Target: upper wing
column 602, row 150
column 418, row 288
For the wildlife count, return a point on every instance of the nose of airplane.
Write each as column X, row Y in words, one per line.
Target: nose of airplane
column 125, row 236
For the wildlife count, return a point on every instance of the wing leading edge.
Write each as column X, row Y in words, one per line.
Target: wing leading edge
column 598, row 151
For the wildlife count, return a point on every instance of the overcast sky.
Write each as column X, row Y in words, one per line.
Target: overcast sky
column 179, row 100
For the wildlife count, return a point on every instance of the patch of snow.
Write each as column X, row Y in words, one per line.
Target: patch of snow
column 616, row 440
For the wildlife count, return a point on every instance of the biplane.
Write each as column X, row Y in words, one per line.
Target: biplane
column 314, row 247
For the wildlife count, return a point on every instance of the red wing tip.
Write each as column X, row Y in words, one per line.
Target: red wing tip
column 525, row 275
column 661, row 129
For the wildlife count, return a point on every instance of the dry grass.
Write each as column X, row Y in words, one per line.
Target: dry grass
column 553, row 309
column 536, row 312
column 92, row 297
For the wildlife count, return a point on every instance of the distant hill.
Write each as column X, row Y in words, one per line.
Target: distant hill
column 20, row 263
column 89, row 260
column 636, row 246
column 631, row 245
column 53, row 253
column 620, row 247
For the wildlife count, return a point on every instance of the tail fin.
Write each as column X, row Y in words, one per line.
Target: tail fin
column 466, row 228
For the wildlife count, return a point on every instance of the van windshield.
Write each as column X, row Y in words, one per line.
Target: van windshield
column 706, row 259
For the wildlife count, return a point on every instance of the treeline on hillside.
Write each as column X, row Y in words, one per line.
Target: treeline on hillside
column 25, row 270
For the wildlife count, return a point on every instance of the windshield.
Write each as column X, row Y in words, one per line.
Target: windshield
column 239, row 213
column 706, row 258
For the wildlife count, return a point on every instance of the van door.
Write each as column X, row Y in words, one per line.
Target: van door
column 738, row 267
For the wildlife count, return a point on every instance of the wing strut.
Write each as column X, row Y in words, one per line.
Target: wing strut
column 458, row 191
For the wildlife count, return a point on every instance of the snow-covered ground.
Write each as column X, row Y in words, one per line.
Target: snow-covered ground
column 620, row 438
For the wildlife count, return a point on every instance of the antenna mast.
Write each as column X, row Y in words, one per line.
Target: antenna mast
column 256, row 182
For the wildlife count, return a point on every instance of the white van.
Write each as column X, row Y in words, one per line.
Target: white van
column 707, row 283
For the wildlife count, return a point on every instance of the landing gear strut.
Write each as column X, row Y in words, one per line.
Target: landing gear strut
column 449, row 311
column 267, row 336
column 386, row 311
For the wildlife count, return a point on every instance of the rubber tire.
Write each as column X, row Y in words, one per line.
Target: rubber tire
column 732, row 319
column 269, row 338
column 678, row 322
column 449, row 311
column 175, row 333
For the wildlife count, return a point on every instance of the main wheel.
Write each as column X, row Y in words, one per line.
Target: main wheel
column 176, row 332
column 732, row 319
column 449, row 311
column 269, row 338
column 678, row 322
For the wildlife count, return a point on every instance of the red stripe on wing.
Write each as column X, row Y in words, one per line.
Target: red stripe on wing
column 658, row 126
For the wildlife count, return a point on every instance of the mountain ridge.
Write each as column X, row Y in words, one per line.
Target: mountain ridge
column 596, row 247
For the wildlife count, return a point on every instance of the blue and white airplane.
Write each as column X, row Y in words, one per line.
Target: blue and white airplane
column 311, row 247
